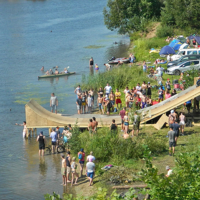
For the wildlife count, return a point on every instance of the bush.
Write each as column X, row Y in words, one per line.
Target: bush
column 164, row 31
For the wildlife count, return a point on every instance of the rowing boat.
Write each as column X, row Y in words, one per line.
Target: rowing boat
column 56, row 75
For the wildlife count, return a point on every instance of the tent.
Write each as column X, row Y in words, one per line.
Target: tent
column 181, row 39
column 167, row 50
column 173, row 42
column 196, row 37
column 177, row 46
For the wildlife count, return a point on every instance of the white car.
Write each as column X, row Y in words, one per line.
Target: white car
column 183, row 67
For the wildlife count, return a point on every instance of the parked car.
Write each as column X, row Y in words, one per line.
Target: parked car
column 182, row 59
column 185, row 52
column 183, row 67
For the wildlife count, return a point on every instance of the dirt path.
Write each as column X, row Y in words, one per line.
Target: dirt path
column 152, row 32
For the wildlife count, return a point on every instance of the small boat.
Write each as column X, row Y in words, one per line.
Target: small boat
column 56, row 75
column 118, row 60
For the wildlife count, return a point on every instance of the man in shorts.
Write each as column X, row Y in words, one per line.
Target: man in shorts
column 109, row 106
column 136, row 124
column 172, row 141
column 118, row 98
column 100, row 103
column 112, row 99
column 176, row 129
column 53, row 103
column 53, row 137
column 83, row 98
column 79, row 104
column 68, row 164
column 95, row 124
column 90, row 170
column 91, row 127
column 122, row 114
column 108, row 89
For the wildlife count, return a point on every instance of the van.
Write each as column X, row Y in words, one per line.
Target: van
column 184, row 52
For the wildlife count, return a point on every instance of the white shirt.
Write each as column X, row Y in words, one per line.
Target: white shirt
column 169, row 172
column 138, row 88
column 108, row 89
column 90, row 157
column 168, row 58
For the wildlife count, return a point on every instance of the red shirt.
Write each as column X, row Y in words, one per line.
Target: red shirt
column 83, row 156
column 122, row 113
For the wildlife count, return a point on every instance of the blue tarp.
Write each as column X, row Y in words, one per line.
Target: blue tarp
column 176, row 46
column 167, row 50
column 173, row 42
column 196, row 37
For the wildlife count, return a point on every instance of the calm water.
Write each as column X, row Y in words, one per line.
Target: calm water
column 27, row 44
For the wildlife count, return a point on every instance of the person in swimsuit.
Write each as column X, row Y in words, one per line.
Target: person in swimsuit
column 89, row 103
column 182, row 122
column 91, row 92
column 74, row 173
column 95, row 124
column 101, row 92
column 144, row 88
column 100, row 103
column 63, row 170
column 91, row 127
column 91, row 62
column 118, row 98
column 130, row 101
column 160, row 92
column 68, row 166
column 96, row 68
column 113, row 127
column 126, row 123
column 41, row 140
column 25, row 131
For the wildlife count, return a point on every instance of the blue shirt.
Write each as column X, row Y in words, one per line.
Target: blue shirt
column 53, row 136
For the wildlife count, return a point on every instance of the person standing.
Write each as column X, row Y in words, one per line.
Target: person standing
column 96, row 68
column 100, row 103
column 149, row 90
column 91, row 62
column 109, row 106
column 172, row 141
column 89, row 103
column 81, row 157
column 63, row 170
column 188, row 105
column 53, row 137
column 126, row 123
column 83, row 98
column 95, row 124
column 118, row 98
column 74, row 173
column 91, row 157
column 136, row 124
column 160, row 94
column 144, row 66
column 77, row 91
column 53, row 103
column 112, row 99
column 79, row 104
column 108, row 89
column 113, row 127
column 90, row 170
column 182, row 122
column 122, row 114
column 58, row 136
column 176, row 129
column 68, row 166
column 91, row 92
column 25, row 131
column 41, row 140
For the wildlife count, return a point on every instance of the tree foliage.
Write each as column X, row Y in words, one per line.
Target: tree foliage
column 182, row 13
column 130, row 15
column 184, row 183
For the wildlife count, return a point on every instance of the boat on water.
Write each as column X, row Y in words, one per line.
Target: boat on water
column 118, row 60
column 56, row 75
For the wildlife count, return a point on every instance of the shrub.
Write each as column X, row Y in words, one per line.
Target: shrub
column 164, row 31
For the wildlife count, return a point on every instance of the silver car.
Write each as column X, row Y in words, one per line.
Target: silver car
column 183, row 67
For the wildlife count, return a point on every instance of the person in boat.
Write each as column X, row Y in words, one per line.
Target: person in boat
column 56, row 71
column 47, row 73
column 50, row 72
column 66, row 71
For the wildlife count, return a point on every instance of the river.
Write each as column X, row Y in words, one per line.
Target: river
column 33, row 34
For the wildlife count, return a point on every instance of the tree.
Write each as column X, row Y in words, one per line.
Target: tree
column 182, row 13
column 130, row 15
column 184, row 183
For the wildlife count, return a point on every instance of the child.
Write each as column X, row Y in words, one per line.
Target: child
column 63, row 169
column 74, row 173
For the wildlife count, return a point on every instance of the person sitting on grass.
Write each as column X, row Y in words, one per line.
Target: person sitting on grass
column 169, row 171
column 74, row 173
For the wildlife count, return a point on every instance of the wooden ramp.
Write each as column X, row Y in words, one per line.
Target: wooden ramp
column 39, row 117
column 169, row 104
column 161, row 122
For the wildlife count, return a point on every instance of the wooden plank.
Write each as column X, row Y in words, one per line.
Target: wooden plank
column 161, row 122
